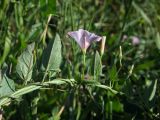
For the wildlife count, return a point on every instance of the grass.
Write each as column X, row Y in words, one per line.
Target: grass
column 121, row 84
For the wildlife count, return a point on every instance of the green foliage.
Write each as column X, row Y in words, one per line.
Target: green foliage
column 44, row 75
column 48, row 7
column 6, row 50
column 7, row 86
column 113, row 73
column 143, row 14
column 51, row 58
column 8, row 89
column 97, row 66
column 157, row 40
column 24, row 66
column 150, row 89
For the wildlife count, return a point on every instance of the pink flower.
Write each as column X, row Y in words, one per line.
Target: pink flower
column 84, row 38
column 135, row 40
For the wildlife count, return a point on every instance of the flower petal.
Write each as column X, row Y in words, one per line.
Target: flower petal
column 92, row 37
column 78, row 36
column 84, row 38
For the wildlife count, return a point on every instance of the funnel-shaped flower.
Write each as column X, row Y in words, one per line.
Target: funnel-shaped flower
column 84, row 38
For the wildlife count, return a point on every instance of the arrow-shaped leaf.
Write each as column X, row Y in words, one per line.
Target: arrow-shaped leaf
column 24, row 66
column 51, row 58
column 7, row 86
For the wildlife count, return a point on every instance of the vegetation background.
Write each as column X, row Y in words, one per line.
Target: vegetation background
column 40, row 66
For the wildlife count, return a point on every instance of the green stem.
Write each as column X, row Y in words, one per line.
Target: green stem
column 45, row 75
column 84, row 65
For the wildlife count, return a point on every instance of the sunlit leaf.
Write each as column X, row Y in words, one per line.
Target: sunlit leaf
column 153, row 90
column 24, row 66
column 157, row 40
column 31, row 88
column 107, row 88
column 97, row 66
column 7, row 86
column 150, row 90
column 52, row 57
column 117, row 106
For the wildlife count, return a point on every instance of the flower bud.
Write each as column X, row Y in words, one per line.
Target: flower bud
column 103, row 45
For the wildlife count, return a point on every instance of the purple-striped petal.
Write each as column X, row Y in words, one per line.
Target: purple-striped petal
column 84, row 38
column 77, row 35
column 92, row 37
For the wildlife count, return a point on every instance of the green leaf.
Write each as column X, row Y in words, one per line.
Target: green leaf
column 60, row 81
column 52, row 57
column 48, row 7
column 7, row 86
column 7, row 46
column 150, row 90
column 18, row 10
column 153, row 90
column 113, row 73
column 97, row 66
column 33, row 87
column 158, row 40
column 143, row 14
column 107, row 88
column 117, row 106
column 24, row 66
column 19, row 93
column 25, row 90
column 146, row 65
